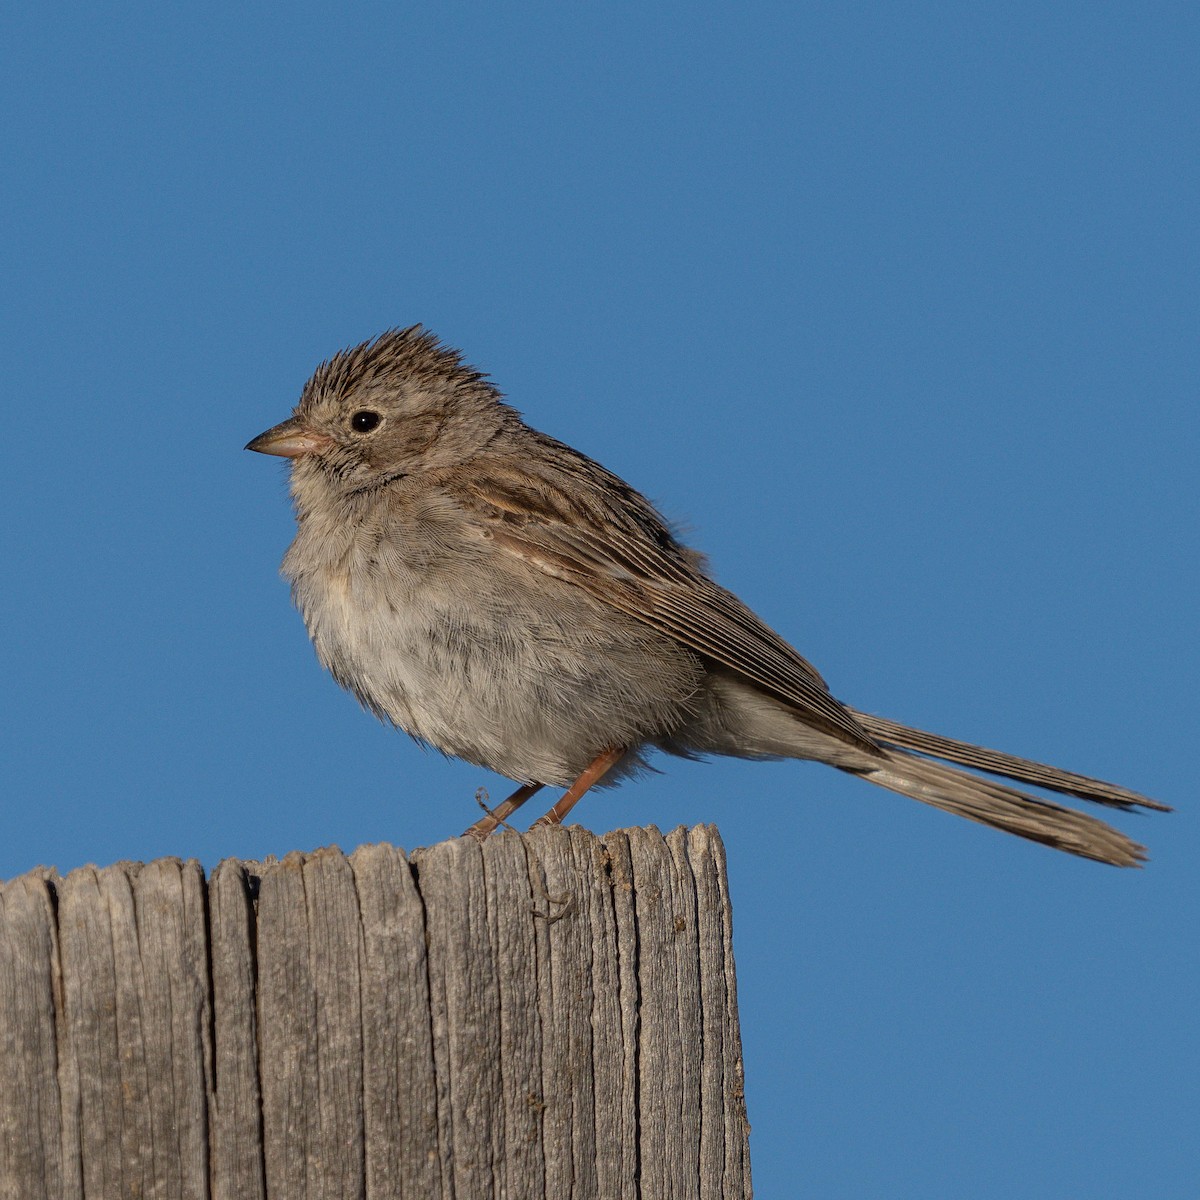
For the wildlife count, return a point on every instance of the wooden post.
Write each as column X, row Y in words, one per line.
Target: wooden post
column 547, row 1016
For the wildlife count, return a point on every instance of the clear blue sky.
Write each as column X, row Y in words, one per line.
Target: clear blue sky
column 895, row 307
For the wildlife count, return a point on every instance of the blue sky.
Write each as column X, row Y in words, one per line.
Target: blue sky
column 894, row 307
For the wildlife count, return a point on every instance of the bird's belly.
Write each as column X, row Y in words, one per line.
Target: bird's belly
column 486, row 679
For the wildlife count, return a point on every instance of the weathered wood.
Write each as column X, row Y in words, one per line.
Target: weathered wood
column 543, row 1016
column 236, row 1156
column 30, row 995
column 399, row 1082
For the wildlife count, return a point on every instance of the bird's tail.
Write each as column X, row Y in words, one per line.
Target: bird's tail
column 910, row 773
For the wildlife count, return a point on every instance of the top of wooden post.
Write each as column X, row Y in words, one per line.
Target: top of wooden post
column 543, row 1015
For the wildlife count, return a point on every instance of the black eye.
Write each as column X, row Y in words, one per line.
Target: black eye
column 364, row 421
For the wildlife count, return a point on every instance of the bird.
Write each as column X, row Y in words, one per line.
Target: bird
column 502, row 597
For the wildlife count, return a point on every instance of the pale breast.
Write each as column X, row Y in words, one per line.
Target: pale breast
column 485, row 658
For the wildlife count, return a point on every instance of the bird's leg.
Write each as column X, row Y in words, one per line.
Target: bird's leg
column 501, row 812
column 601, row 765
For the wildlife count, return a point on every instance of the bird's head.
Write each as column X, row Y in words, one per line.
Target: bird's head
column 389, row 408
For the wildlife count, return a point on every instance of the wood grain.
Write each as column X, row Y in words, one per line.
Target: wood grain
column 544, row 1016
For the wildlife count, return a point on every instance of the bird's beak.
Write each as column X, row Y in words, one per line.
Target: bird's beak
column 290, row 439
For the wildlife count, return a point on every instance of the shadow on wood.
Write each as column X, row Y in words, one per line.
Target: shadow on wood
column 547, row 1015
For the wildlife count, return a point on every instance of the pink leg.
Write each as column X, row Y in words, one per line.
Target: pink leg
column 501, row 812
column 593, row 774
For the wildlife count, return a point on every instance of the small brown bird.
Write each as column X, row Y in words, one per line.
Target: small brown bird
column 504, row 598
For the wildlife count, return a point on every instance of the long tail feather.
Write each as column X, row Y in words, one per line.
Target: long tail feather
column 1003, row 807
column 995, row 762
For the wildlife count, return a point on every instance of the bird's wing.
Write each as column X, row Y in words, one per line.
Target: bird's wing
column 575, row 521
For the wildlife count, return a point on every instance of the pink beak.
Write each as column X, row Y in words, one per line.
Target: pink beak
column 290, row 439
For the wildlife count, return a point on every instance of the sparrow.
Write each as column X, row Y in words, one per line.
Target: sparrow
column 504, row 598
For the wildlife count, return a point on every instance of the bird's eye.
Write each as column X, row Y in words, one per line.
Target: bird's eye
column 364, row 421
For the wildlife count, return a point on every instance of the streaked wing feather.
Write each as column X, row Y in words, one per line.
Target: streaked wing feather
column 622, row 554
